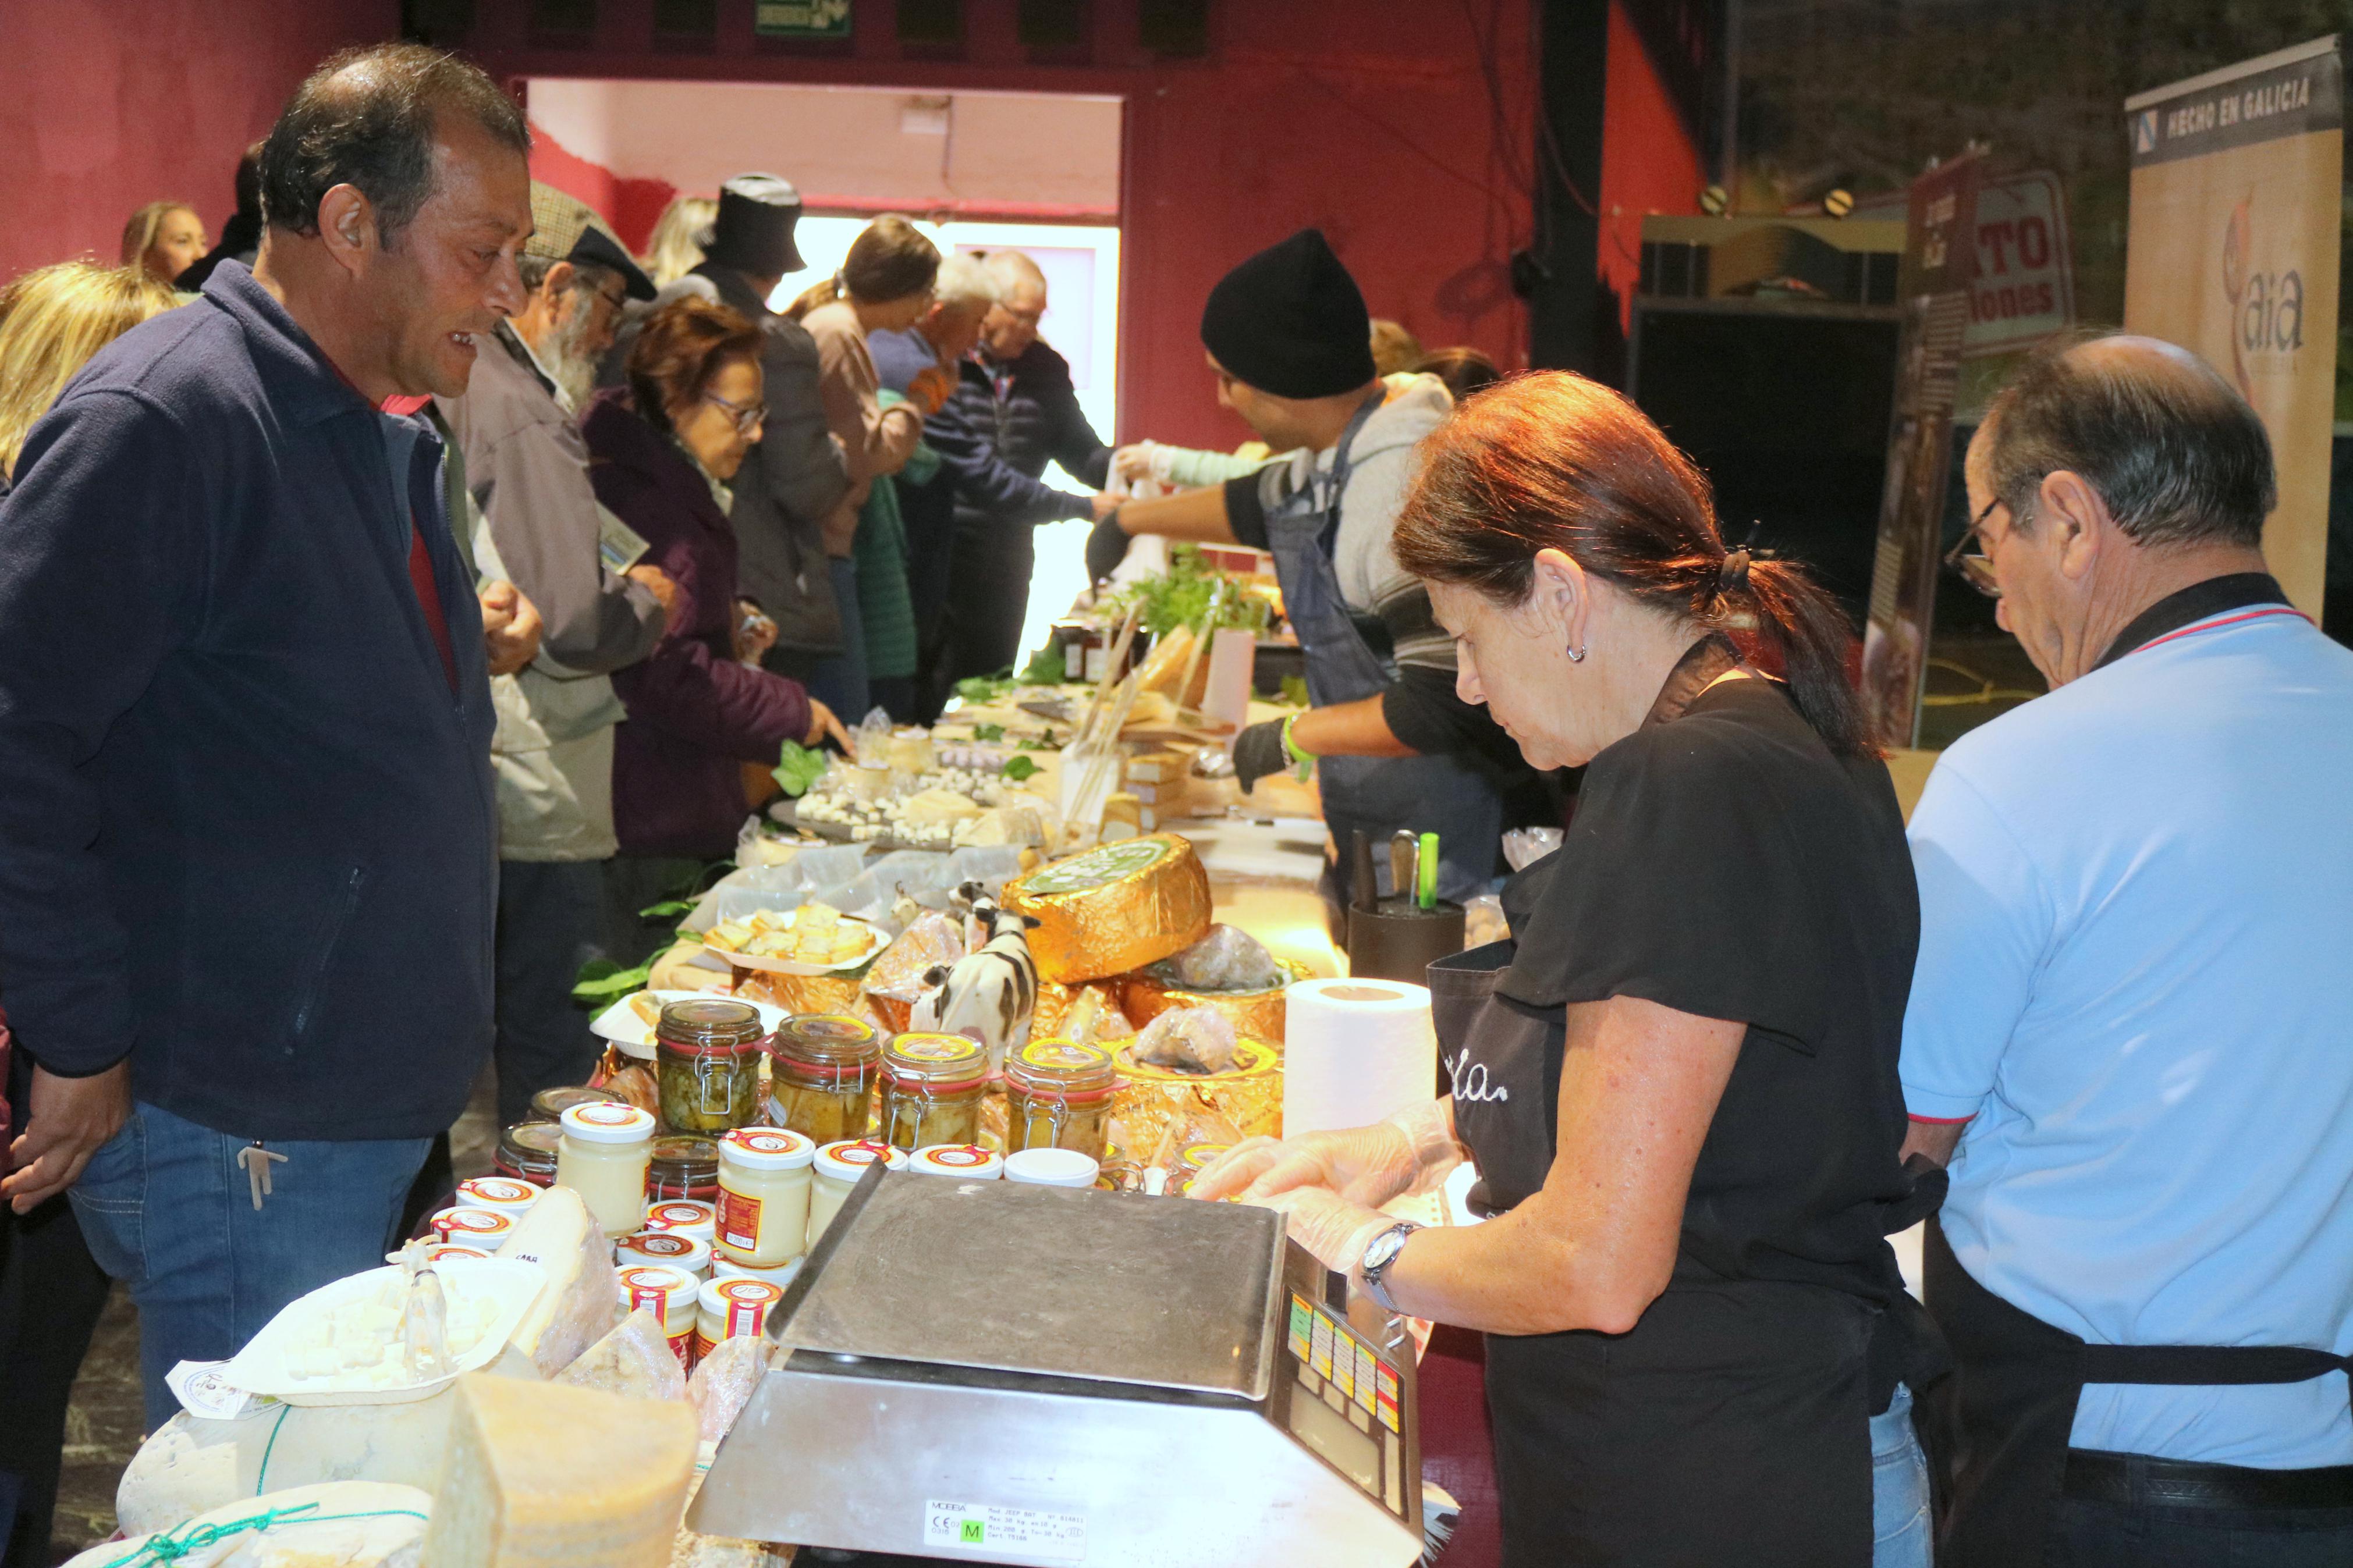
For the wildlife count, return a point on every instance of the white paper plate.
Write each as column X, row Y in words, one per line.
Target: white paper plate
column 794, row 966
column 262, row 1367
column 620, row 1023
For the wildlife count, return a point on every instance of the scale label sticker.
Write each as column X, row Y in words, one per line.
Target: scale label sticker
column 1344, row 1361
column 1321, row 1360
column 1366, row 1363
column 985, row 1527
column 1385, row 1404
column 1302, row 1327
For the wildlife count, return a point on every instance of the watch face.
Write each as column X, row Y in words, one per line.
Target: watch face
column 1385, row 1248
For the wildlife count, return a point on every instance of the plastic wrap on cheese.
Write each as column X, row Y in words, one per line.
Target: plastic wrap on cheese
column 1150, row 1101
column 582, row 1299
column 1255, row 1014
column 192, row 1465
column 724, row 1381
column 1114, row 908
column 348, row 1524
column 635, row 1360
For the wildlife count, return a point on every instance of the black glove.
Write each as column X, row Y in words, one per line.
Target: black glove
column 1106, row 548
column 1258, row 752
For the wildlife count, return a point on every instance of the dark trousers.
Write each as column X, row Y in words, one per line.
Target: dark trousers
column 550, row 914
column 51, row 1293
column 990, row 570
column 2086, row 1535
column 635, row 882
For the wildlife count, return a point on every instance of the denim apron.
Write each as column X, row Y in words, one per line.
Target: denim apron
column 1375, row 795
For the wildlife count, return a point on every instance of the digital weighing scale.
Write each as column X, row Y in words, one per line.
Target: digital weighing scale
column 990, row 1371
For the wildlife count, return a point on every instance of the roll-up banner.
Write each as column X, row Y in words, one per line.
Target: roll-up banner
column 2237, row 179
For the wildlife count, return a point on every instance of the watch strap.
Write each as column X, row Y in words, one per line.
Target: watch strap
column 1376, row 1273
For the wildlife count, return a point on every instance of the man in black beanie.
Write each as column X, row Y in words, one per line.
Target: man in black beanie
column 1394, row 747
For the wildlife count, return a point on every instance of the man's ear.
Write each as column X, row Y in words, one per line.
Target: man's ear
column 2078, row 518
column 558, row 280
column 347, row 226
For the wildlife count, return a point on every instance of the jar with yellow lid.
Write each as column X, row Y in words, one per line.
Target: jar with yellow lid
column 707, row 1064
column 1189, row 1162
column 763, row 1195
column 821, row 1076
column 932, row 1088
column 1057, row 1094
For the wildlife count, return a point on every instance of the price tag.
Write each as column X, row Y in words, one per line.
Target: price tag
column 201, row 1391
column 985, row 1527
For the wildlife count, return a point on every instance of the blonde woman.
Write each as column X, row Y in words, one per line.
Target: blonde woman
column 52, row 320
column 680, row 237
column 166, row 238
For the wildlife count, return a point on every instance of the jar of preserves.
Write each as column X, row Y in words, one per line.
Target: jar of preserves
column 673, row 1296
column 484, row 1228
column 838, row 1169
column 550, row 1104
column 527, row 1152
column 1053, row 1168
column 707, row 1064
column 726, row 1307
column 821, row 1076
column 683, row 1166
column 500, row 1194
column 764, row 1195
column 686, row 1216
column 665, row 1249
column 603, row 1158
column 1057, row 1094
column 968, row 1161
column 932, row 1089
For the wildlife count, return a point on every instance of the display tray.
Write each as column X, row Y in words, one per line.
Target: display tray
column 877, row 940
column 787, row 811
column 1006, row 1277
column 265, row 1365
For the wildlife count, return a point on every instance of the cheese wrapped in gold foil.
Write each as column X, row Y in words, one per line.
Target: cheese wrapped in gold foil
column 811, row 993
column 1151, row 1100
column 1055, row 1002
column 1255, row 1014
column 1114, row 908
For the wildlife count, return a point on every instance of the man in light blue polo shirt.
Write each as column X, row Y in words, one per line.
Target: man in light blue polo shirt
column 2131, row 1027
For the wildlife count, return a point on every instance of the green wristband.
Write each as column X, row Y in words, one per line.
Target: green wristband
column 1302, row 760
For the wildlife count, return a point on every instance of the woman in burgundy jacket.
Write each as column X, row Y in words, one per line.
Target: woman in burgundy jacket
column 661, row 449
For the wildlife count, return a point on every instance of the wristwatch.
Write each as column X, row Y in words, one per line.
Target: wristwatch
column 1380, row 1253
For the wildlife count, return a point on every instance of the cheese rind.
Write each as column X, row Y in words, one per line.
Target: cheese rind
column 582, row 1299
column 540, row 1475
column 1114, row 909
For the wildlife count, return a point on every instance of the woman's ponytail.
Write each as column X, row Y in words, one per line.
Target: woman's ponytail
column 1799, row 627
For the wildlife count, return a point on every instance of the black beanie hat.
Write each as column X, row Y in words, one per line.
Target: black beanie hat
column 1290, row 321
column 754, row 230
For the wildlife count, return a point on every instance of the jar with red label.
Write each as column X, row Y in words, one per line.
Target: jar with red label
column 707, row 1064
column 932, row 1088
column 664, row 1249
column 484, row 1228
column 967, row 1161
column 764, row 1195
column 1057, row 1094
column 671, row 1294
column 527, row 1152
column 727, row 1308
column 687, row 1216
column 603, row 1158
column 500, row 1194
column 683, row 1167
column 821, row 1076
column 839, row 1168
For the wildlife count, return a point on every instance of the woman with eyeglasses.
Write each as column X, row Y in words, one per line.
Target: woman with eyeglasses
column 661, row 449
column 885, row 285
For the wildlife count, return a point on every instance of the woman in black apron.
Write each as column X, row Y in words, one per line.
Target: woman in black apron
column 1678, row 1079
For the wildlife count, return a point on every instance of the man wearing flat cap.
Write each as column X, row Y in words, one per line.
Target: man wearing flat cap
column 1393, row 746
column 526, row 469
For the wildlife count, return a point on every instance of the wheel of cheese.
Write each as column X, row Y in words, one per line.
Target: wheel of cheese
column 1114, row 908
column 1255, row 1014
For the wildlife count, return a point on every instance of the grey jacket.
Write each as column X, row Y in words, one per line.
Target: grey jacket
column 527, row 472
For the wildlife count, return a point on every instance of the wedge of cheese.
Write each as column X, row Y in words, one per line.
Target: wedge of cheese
column 540, row 1475
column 581, row 1300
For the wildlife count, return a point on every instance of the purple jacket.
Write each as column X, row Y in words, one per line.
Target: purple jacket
column 694, row 712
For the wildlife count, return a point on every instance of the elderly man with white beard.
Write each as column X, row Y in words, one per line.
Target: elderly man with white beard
column 526, row 467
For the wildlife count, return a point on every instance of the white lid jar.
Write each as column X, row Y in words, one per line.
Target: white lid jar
column 725, row 1268
column 968, row 1161
column 450, row 1252
column 839, row 1166
column 500, row 1194
column 603, row 1157
column 686, row 1216
column 485, row 1228
column 726, row 1307
column 664, row 1249
column 1053, row 1168
column 670, row 1295
column 764, row 1195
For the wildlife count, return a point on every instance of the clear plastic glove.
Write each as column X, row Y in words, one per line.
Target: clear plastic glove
column 1133, row 463
column 1367, row 1166
column 1335, row 1230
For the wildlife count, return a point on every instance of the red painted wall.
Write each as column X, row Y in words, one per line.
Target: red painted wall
column 1372, row 118
column 1649, row 164
column 109, row 104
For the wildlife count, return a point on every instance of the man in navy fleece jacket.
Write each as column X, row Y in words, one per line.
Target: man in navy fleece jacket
column 247, row 851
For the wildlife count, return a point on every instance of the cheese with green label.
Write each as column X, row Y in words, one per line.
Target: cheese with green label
column 1114, row 908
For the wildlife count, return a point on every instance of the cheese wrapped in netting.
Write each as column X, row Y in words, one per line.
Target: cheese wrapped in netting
column 1151, row 1100
column 348, row 1524
column 1114, row 908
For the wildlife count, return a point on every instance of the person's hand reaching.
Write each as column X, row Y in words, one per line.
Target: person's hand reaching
column 1106, row 546
column 824, row 726
column 1329, row 1227
column 1133, row 463
column 1367, row 1166
column 660, row 584
column 510, row 627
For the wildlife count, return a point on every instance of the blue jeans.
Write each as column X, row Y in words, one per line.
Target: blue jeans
column 1901, row 1530
column 839, row 682
column 167, row 1210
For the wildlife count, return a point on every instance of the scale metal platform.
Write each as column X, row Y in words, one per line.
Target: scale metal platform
column 990, row 1372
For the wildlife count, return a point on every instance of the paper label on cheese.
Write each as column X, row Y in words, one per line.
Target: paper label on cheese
column 201, row 1391
column 985, row 1527
column 1097, row 868
column 739, row 1220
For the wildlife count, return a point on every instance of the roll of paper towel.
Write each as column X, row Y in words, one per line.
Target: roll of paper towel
column 1354, row 1051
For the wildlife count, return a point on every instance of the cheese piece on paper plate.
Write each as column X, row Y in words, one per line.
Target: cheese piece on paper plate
column 540, row 1474
column 1114, row 909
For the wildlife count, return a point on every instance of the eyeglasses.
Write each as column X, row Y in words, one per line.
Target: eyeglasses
column 749, row 417
column 1975, row 566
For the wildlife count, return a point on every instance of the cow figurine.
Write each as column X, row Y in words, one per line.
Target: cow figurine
column 988, row 995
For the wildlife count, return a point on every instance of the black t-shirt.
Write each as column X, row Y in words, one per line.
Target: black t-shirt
column 1726, row 863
